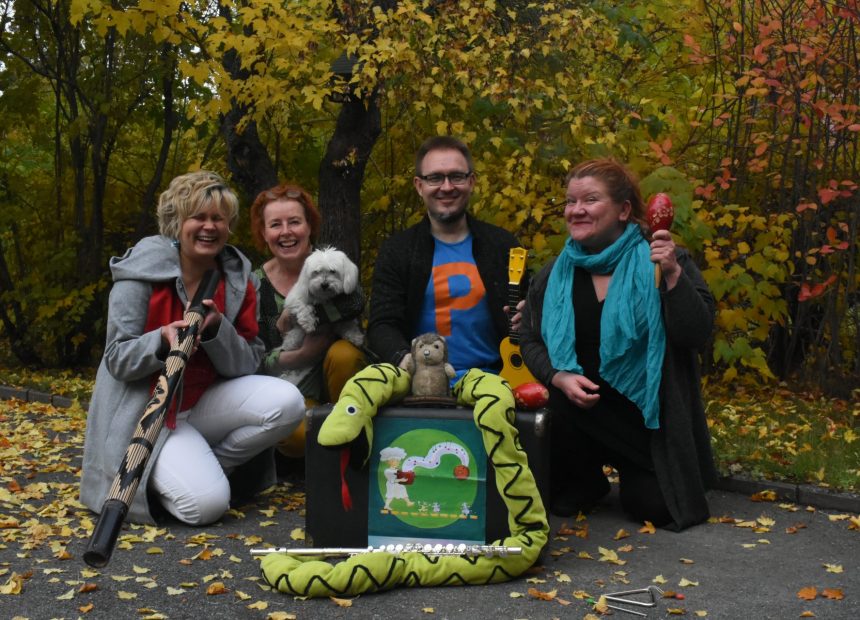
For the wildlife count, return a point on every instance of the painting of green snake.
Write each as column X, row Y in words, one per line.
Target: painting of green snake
column 493, row 411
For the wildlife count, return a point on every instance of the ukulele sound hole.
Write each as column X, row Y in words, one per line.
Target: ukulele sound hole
column 516, row 360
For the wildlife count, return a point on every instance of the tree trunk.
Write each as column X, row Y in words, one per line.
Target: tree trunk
column 169, row 122
column 248, row 160
column 342, row 173
column 15, row 323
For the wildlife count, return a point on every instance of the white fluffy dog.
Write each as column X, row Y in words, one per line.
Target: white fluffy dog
column 327, row 273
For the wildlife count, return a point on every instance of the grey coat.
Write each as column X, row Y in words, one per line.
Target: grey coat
column 132, row 357
column 680, row 448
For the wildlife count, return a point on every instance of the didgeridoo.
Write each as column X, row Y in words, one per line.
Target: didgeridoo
column 121, row 493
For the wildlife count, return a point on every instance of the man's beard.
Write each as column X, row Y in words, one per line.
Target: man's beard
column 448, row 217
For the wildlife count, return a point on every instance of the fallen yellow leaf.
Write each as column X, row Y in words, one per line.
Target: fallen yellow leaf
column 601, row 606
column 768, row 495
column 85, row 609
column 216, row 587
column 428, row 610
column 607, row 555
column 13, row 585
column 126, row 596
column 622, row 533
column 261, row 605
column 686, row 583
column 341, row 602
column 808, row 593
column 648, row 528
column 297, row 534
column 833, row 568
column 833, row 593
column 544, row 596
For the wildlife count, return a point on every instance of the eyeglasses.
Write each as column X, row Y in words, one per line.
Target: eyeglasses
column 437, row 178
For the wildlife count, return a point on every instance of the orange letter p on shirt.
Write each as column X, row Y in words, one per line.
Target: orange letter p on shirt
column 444, row 298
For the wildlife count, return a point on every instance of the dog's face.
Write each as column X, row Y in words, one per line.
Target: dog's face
column 329, row 273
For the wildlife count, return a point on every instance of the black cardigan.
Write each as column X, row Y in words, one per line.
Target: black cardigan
column 400, row 277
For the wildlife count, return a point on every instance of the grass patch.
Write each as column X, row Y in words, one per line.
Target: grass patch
column 777, row 434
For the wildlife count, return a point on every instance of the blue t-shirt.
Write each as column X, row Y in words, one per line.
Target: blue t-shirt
column 455, row 306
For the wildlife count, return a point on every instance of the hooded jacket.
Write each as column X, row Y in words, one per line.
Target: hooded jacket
column 133, row 356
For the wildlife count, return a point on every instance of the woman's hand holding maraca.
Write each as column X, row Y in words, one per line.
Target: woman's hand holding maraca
column 660, row 215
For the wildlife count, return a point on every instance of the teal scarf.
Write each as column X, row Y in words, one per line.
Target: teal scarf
column 632, row 338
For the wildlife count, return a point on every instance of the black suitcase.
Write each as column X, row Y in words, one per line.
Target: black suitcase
column 329, row 524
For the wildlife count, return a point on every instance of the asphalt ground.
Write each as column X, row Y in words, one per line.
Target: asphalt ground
column 754, row 559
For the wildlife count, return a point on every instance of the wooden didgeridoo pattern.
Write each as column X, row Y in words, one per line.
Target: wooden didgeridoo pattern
column 119, row 497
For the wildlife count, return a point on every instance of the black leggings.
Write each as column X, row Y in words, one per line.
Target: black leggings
column 577, row 464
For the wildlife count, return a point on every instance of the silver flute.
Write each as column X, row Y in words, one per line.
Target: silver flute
column 425, row 548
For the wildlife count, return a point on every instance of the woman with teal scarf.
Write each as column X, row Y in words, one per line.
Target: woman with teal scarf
column 620, row 356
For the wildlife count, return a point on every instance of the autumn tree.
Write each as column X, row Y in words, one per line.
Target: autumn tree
column 776, row 139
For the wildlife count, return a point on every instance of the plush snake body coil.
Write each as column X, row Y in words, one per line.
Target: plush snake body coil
column 493, row 406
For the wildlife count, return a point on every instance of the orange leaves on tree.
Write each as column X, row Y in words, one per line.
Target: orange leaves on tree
column 808, row 292
column 661, row 151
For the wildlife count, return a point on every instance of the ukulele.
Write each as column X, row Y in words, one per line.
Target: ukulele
column 514, row 369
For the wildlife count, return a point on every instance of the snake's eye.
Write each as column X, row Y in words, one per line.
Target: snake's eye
column 351, row 410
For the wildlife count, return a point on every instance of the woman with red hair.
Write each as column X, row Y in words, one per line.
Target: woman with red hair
column 286, row 223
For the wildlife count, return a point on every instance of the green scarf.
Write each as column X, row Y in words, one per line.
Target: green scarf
column 632, row 338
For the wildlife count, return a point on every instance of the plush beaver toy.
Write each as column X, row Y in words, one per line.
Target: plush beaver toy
column 429, row 367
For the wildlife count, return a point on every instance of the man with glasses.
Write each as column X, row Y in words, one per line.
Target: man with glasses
column 447, row 274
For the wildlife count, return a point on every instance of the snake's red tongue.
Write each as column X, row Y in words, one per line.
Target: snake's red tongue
column 660, row 212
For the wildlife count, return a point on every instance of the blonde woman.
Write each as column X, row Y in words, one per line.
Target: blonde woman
column 225, row 414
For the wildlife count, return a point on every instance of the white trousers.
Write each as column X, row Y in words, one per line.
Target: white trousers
column 232, row 422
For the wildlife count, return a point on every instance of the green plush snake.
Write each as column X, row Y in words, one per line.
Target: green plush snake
column 493, row 406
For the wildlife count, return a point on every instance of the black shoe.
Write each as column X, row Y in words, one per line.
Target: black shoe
column 570, row 503
column 572, row 500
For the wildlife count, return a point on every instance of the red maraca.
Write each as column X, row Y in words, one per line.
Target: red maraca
column 660, row 214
